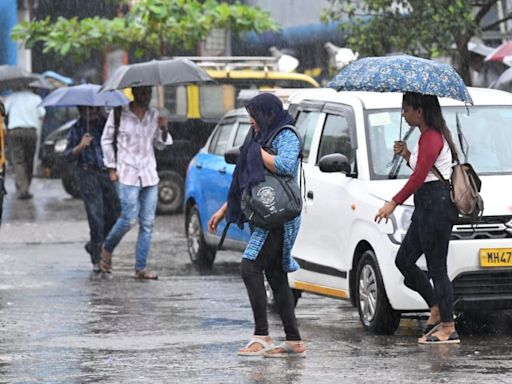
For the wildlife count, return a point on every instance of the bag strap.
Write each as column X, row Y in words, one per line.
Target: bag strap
column 117, row 123
column 223, row 237
column 440, row 176
column 268, row 143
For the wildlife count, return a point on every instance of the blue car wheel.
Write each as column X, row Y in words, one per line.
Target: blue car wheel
column 201, row 254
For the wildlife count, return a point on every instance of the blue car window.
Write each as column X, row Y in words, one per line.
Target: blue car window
column 220, row 143
column 241, row 134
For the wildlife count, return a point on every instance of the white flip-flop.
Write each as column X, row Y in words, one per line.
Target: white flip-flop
column 256, row 340
column 288, row 352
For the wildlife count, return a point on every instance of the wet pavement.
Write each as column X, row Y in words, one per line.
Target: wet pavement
column 60, row 323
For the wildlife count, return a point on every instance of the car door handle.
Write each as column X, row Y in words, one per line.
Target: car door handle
column 199, row 166
column 222, row 170
column 310, row 195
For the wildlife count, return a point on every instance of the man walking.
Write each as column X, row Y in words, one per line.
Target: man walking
column 97, row 190
column 134, row 168
column 24, row 119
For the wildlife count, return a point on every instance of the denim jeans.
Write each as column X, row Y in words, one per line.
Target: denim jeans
column 137, row 203
column 269, row 261
column 429, row 234
column 101, row 205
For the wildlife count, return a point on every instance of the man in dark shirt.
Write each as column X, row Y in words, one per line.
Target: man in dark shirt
column 98, row 192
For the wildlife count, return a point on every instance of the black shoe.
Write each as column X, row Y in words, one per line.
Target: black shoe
column 25, row 196
column 88, row 248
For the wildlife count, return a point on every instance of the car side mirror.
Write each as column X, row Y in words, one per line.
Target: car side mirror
column 334, row 162
column 231, row 155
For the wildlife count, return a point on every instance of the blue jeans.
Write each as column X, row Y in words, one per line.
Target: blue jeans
column 137, row 203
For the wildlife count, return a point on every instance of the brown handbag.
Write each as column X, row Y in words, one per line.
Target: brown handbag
column 464, row 188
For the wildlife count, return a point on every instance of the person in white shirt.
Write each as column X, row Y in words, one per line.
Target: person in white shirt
column 134, row 168
column 24, row 120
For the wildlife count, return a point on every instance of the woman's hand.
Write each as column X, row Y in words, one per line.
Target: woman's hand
column 217, row 218
column 400, row 148
column 385, row 211
column 112, row 174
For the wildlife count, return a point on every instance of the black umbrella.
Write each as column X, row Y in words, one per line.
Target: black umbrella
column 13, row 77
column 156, row 72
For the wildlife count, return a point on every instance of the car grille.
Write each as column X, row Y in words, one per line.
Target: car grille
column 487, row 227
column 483, row 284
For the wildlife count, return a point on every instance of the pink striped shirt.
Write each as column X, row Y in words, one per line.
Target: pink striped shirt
column 136, row 140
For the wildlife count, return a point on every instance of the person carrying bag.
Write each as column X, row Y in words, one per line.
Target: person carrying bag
column 268, row 250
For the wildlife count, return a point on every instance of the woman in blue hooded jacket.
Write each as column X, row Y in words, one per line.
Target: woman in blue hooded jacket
column 268, row 251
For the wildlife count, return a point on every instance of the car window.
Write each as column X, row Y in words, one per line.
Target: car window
column 216, row 100
column 241, row 134
column 305, row 124
column 336, row 139
column 219, row 143
column 175, row 100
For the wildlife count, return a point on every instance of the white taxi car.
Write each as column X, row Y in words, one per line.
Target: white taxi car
column 343, row 253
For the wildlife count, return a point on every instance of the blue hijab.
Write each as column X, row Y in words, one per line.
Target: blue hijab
column 267, row 110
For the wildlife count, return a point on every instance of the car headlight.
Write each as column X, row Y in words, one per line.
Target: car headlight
column 60, row 145
column 401, row 219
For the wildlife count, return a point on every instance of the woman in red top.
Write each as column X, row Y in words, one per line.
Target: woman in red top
column 433, row 217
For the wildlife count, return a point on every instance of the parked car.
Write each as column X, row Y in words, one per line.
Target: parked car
column 343, row 253
column 206, row 188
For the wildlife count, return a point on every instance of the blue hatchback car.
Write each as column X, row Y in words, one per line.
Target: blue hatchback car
column 206, row 189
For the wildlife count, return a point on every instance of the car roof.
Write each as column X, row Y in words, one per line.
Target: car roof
column 383, row 100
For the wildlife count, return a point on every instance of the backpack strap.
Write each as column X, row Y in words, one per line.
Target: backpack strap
column 117, row 123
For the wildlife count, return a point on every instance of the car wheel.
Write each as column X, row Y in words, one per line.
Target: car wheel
column 69, row 181
column 374, row 309
column 201, row 254
column 170, row 192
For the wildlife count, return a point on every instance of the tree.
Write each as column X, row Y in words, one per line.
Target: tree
column 423, row 28
column 150, row 26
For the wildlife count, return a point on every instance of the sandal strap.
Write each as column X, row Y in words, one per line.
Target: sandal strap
column 257, row 340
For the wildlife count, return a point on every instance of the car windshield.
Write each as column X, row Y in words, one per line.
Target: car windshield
column 486, row 130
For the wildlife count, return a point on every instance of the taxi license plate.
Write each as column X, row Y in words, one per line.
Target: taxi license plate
column 495, row 257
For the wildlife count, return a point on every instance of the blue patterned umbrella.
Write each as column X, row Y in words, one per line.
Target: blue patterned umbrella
column 402, row 74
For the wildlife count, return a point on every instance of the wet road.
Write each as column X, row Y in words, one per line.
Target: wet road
column 60, row 324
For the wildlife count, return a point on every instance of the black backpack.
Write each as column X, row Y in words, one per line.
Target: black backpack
column 277, row 199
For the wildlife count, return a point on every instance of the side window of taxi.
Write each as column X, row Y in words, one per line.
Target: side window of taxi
column 305, row 124
column 219, row 143
column 336, row 139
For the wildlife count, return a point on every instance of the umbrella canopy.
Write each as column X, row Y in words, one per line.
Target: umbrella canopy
column 13, row 77
column 41, row 83
column 502, row 54
column 504, row 82
column 156, row 72
column 84, row 95
column 401, row 74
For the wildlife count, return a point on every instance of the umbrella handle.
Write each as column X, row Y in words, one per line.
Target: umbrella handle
column 2, row 145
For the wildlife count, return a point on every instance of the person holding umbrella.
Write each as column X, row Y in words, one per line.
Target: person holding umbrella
column 128, row 146
column 434, row 214
column 97, row 190
column 84, row 146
